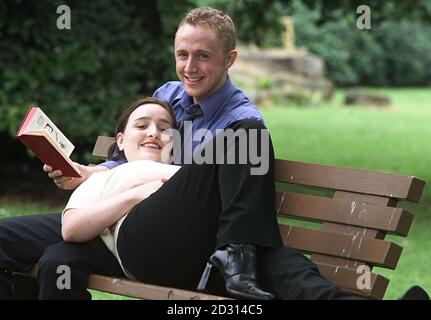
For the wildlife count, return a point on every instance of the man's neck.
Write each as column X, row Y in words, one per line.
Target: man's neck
column 197, row 100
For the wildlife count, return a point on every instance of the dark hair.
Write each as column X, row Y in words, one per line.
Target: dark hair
column 113, row 152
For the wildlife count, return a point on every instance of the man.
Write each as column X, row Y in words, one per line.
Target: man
column 204, row 52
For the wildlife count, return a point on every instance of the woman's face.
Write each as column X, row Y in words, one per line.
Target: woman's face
column 144, row 137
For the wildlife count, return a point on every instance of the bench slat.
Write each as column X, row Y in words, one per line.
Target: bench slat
column 309, row 207
column 355, row 180
column 349, row 229
column 347, row 278
column 135, row 289
column 375, row 251
column 145, row 291
column 102, row 146
column 332, row 177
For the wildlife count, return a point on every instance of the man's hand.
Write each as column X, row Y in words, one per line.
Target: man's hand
column 68, row 183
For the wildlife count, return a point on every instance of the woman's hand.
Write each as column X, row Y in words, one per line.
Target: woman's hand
column 145, row 190
column 69, row 183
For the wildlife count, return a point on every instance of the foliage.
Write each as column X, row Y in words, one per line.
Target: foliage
column 391, row 53
column 82, row 77
column 407, row 48
column 257, row 21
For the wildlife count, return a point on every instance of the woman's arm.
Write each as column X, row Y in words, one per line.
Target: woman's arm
column 142, row 179
column 84, row 224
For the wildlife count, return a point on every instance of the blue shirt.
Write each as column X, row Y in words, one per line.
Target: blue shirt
column 225, row 106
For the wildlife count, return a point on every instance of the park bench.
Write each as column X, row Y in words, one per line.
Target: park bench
column 352, row 211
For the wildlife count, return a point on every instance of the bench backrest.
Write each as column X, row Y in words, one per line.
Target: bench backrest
column 352, row 211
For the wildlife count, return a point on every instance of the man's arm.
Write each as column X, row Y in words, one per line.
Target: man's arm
column 69, row 183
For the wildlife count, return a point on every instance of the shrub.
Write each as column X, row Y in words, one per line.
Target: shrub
column 391, row 53
column 83, row 77
column 407, row 48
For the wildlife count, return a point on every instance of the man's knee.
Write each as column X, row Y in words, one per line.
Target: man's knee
column 59, row 276
column 50, row 264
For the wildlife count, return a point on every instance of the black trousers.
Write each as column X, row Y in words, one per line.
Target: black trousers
column 27, row 240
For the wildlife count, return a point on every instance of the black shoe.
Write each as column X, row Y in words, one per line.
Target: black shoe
column 415, row 293
column 237, row 264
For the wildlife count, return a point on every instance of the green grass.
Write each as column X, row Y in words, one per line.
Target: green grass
column 394, row 139
column 391, row 139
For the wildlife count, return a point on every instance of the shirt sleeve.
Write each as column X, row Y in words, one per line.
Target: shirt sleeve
column 169, row 91
column 111, row 164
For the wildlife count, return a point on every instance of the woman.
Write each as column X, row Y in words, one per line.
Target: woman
column 72, row 239
column 183, row 235
column 101, row 203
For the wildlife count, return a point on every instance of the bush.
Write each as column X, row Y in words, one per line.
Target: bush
column 391, row 53
column 256, row 21
column 407, row 47
column 83, row 77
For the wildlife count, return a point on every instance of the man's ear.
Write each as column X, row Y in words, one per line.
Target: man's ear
column 120, row 141
column 231, row 57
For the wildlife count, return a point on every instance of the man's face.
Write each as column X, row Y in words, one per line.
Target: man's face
column 201, row 61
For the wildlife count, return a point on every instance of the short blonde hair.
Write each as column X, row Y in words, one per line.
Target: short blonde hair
column 217, row 20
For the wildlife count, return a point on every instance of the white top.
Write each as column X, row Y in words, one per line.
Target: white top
column 99, row 186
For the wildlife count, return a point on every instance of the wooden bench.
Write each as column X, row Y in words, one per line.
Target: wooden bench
column 353, row 211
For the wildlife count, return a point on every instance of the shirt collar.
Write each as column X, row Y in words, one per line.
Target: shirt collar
column 211, row 104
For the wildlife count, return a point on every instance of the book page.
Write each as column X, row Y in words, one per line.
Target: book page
column 40, row 122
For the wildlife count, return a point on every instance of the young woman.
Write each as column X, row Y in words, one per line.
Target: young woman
column 100, row 204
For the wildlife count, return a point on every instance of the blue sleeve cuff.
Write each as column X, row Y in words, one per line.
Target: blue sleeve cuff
column 111, row 164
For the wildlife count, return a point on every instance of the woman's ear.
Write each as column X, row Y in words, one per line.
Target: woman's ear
column 120, row 141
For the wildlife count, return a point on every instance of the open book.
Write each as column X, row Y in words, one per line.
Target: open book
column 47, row 142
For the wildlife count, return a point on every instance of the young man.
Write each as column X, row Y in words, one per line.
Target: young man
column 204, row 52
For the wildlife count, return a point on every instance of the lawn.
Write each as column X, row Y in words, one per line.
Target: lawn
column 393, row 139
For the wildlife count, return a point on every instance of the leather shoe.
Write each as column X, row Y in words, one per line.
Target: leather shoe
column 237, row 264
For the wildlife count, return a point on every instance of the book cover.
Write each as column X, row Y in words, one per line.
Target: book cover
column 47, row 142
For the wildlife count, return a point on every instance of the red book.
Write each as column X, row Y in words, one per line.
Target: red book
column 47, row 142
